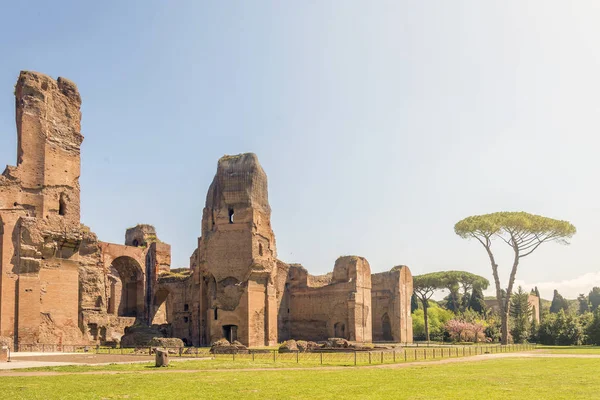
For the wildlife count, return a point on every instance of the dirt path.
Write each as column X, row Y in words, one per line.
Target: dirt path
column 79, row 358
column 533, row 354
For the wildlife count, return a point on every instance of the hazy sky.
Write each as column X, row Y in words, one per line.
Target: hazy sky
column 379, row 124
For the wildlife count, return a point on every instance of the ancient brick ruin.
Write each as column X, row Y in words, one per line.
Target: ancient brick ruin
column 59, row 284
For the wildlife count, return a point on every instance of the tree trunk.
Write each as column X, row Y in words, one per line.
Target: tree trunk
column 501, row 304
column 504, row 327
column 506, row 304
column 425, row 319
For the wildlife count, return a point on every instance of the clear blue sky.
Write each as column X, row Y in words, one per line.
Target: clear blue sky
column 379, row 124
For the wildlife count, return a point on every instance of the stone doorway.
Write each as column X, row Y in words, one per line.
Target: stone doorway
column 339, row 330
column 387, row 328
column 230, row 332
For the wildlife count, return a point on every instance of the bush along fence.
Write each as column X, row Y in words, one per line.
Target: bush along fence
column 324, row 357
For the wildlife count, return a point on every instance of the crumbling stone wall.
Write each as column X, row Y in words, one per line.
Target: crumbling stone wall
column 336, row 305
column 176, row 304
column 391, row 292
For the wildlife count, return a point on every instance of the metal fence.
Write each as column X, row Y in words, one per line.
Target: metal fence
column 324, row 357
column 361, row 357
column 134, row 351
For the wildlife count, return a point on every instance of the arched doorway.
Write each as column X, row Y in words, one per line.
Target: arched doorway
column 387, row 328
column 125, row 288
column 339, row 330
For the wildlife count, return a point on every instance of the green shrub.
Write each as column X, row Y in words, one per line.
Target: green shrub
column 437, row 317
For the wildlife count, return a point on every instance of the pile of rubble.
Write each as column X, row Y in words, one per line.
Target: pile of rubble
column 223, row 346
column 333, row 344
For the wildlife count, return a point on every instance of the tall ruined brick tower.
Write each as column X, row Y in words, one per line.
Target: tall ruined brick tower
column 48, row 148
column 39, row 212
column 237, row 256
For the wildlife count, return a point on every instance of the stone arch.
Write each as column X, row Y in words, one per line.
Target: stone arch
column 125, row 288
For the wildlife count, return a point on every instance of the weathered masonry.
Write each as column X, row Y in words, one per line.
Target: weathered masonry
column 60, row 285
column 241, row 291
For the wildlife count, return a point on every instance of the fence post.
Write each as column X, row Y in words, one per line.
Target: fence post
column 415, row 354
column 434, row 352
column 233, row 353
column 297, row 356
column 355, row 358
column 369, row 357
column 394, row 356
column 321, row 354
column 382, row 357
column 424, row 354
column 252, row 355
column 405, row 352
column 274, row 355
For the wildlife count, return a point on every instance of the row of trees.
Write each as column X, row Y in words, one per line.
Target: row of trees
column 465, row 291
column 583, row 304
column 462, row 326
column 567, row 328
column 522, row 232
column 563, row 327
column 589, row 303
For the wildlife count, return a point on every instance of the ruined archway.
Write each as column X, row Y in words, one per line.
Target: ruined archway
column 125, row 288
column 386, row 328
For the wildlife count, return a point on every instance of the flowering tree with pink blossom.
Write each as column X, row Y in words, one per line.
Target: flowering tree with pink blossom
column 461, row 330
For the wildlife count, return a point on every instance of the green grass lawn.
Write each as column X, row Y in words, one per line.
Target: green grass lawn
column 570, row 349
column 541, row 378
